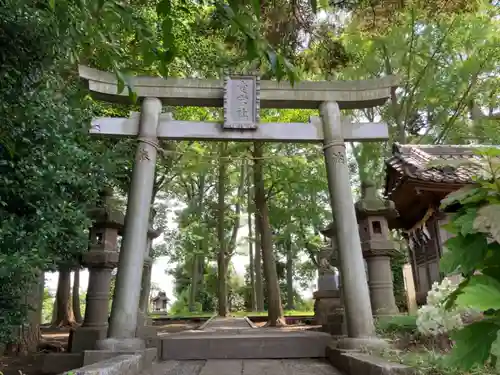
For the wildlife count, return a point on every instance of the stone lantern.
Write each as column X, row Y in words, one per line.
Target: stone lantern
column 101, row 259
column 373, row 214
column 328, row 307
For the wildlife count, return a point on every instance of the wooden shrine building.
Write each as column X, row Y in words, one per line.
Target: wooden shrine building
column 417, row 188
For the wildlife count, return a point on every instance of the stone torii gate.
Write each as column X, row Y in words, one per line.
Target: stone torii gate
column 241, row 97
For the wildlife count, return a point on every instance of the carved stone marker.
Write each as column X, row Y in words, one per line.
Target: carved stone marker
column 241, row 102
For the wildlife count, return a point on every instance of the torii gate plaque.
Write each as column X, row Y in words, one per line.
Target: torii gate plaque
column 241, row 102
column 242, row 97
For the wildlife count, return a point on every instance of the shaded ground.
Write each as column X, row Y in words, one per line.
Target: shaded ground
column 29, row 365
column 56, row 340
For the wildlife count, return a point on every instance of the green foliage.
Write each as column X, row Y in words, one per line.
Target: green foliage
column 398, row 324
column 474, row 252
column 397, row 263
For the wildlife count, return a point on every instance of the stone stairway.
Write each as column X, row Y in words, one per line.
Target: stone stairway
column 236, row 338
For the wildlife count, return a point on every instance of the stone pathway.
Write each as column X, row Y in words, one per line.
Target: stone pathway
column 222, row 324
column 246, row 367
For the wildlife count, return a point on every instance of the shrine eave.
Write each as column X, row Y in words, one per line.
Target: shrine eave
column 210, row 92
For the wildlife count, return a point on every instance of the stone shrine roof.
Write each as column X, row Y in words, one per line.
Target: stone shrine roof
column 416, row 162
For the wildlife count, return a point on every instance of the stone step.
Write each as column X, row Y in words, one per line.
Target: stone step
column 246, row 367
column 247, row 344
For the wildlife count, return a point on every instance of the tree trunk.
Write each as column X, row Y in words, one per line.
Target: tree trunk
column 64, row 312
column 275, row 310
column 221, row 255
column 259, row 284
column 253, row 305
column 75, row 296
column 194, row 284
column 289, row 275
column 197, row 274
column 28, row 335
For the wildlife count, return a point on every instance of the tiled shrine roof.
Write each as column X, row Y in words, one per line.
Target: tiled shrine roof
column 418, row 162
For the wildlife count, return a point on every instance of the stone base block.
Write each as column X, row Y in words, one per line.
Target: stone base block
column 117, row 365
column 148, row 356
column 121, row 345
column 362, row 343
column 335, row 324
column 146, row 332
column 352, row 362
column 85, row 338
column 326, row 303
column 56, row 363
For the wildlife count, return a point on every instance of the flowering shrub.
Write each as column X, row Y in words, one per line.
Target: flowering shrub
column 433, row 318
column 474, row 252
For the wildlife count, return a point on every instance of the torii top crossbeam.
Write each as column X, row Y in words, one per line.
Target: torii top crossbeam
column 210, row 92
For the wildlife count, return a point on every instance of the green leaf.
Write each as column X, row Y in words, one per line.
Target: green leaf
column 120, row 81
column 256, row 7
column 495, row 350
column 488, row 221
column 465, row 221
column 465, row 253
column 167, row 35
column 52, row 4
column 251, row 48
column 481, row 293
column 164, row 8
column 272, row 57
column 314, row 6
column 467, row 194
column 472, row 344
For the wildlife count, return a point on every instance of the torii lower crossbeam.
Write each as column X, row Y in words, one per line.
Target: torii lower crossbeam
column 168, row 128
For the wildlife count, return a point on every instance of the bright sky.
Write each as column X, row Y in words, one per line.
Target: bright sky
column 166, row 282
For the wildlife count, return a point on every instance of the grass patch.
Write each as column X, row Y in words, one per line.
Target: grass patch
column 428, row 362
column 426, row 354
column 397, row 324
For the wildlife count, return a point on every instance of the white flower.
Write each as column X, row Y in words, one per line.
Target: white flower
column 433, row 318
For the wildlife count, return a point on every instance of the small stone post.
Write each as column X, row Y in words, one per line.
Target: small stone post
column 123, row 323
column 145, row 327
column 373, row 212
column 101, row 259
column 328, row 306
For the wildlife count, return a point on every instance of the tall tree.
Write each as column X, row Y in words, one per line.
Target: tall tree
column 75, row 296
column 221, row 229
column 275, row 309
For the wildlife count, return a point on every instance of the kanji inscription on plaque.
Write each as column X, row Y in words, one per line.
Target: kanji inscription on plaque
column 241, row 102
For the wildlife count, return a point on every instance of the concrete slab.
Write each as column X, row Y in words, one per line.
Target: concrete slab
column 352, row 362
column 178, row 368
column 247, row 367
column 245, row 344
column 121, row 365
column 263, row 367
column 148, row 356
column 309, row 366
column 222, row 367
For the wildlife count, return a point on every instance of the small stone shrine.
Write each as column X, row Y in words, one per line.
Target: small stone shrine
column 373, row 213
column 160, row 302
column 101, row 259
column 328, row 308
